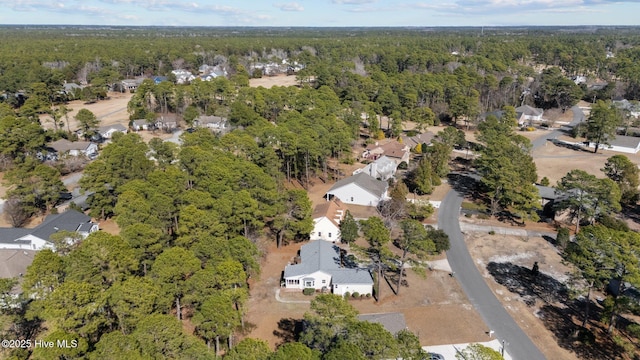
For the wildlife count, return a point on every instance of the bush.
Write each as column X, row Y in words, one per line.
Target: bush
column 347, row 295
column 403, row 165
column 308, row 291
column 491, row 232
column 544, row 181
column 563, row 237
column 368, row 296
column 356, row 294
column 613, row 223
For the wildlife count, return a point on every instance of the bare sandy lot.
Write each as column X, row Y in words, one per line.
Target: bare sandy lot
column 109, row 112
column 512, row 252
column 271, row 81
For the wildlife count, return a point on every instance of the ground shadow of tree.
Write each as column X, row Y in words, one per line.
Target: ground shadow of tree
column 592, row 343
column 289, row 330
column 559, row 314
column 527, row 283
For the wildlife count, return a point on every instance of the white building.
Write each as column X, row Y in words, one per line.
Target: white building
column 383, row 168
column 620, row 143
column 326, row 220
column 78, row 148
column 359, row 189
column 529, row 113
column 107, row 131
column 321, row 268
column 38, row 238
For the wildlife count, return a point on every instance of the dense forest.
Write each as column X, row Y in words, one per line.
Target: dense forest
column 190, row 216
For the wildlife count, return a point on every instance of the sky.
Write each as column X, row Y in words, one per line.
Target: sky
column 320, row 13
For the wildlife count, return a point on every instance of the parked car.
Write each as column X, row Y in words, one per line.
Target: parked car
column 434, row 356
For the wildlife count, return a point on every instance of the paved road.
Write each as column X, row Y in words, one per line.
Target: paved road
column 578, row 117
column 517, row 343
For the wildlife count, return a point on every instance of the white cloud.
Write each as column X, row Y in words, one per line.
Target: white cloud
column 293, row 6
column 353, row 2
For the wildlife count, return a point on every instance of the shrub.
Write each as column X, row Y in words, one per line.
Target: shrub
column 491, row 232
column 544, row 181
column 308, row 291
column 347, row 295
column 403, row 165
column 356, row 294
column 562, row 238
column 368, row 296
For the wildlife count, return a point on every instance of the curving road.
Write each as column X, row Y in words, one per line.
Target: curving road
column 517, row 343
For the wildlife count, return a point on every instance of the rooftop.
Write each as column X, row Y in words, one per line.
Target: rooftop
column 365, row 181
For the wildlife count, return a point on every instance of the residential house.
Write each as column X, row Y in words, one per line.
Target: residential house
column 38, row 238
column 141, row 124
column 520, row 117
column 211, row 122
column 131, row 84
column 13, row 265
column 621, row 143
column 529, row 113
column 383, row 168
column 321, row 268
column 393, row 149
column 77, row 148
column 633, row 108
column 326, row 220
column 183, row 76
column 158, row 79
column 167, row 123
column 413, row 141
column 360, row 189
column 107, row 131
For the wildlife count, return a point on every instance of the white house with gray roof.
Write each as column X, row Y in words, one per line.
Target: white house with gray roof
column 321, row 267
column 383, row 168
column 359, row 189
column 38, row 238
column 620, row 143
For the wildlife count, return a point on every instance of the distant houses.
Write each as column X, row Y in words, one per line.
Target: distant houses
column 215, row 123
column 621, row 143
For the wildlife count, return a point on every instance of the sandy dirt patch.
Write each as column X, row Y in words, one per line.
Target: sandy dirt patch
column 434, row 306
column 271, row 81
column 554, row 161
column 109, row 112
column 522, row 252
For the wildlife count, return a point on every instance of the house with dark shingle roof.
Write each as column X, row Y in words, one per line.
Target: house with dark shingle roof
column 360, row 189
column 38, row 238
column 107, row 131
column 321, row 268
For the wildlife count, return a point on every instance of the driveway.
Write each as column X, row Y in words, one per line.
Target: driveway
column 578, row 117
column 517, row 343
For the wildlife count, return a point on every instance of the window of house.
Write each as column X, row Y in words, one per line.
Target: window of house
column 352, row 198
column 329, row 234
column 319, row 233
column 308, row 283
column 324, row 281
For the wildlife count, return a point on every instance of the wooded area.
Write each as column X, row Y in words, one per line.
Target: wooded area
column 190, row 215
